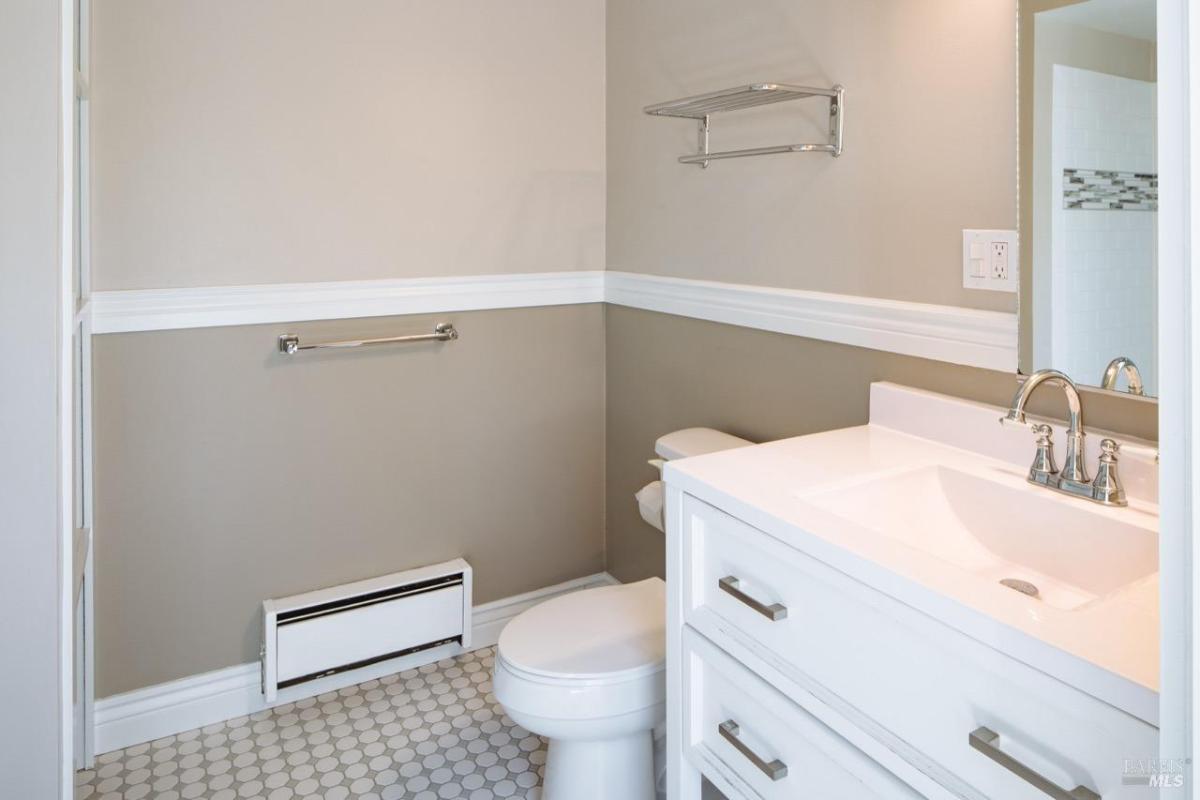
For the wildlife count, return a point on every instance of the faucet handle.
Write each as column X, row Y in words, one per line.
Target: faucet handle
column 1043, row 467
column 1106, row 487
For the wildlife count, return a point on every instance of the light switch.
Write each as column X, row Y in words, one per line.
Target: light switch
column 989, row 260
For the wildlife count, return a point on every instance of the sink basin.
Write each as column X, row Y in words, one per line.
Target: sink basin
column 1070, row 555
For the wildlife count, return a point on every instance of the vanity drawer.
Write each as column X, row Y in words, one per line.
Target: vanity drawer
column 913, row 683
column 752, row 741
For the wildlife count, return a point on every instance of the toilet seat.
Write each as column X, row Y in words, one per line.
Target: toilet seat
column 592, row 654
column 587, row 671
column 607, row 634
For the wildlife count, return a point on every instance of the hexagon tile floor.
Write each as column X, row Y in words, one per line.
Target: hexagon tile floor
column 432, row 733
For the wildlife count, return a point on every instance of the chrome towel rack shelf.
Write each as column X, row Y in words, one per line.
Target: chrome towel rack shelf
column 289, row 343
column 702, row 106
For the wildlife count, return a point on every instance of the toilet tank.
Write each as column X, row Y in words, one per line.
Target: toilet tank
column 680, row 444
column 696, row 442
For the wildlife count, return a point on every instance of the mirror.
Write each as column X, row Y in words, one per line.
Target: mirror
column 1089, row 191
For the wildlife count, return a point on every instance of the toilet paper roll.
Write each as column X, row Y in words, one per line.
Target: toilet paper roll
column 650, row 503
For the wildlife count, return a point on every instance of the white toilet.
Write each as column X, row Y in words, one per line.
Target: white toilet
column 587, row 671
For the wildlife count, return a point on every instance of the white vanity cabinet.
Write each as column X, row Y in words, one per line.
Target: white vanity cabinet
column 790, row 679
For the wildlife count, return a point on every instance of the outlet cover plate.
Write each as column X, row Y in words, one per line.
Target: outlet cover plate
column 978, row 255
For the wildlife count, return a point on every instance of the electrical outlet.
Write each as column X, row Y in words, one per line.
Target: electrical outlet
column 1000, row 261
column 989, row 260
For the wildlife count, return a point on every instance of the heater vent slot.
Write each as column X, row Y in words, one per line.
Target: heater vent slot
column 318, row 634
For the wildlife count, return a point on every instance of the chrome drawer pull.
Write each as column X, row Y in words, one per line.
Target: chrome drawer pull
column 773, row 612
column 987, row 741
column 775, row 770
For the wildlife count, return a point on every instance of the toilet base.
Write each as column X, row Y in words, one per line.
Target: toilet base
column 621, row 768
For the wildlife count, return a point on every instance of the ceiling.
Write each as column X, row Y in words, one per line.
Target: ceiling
column 1135, row 18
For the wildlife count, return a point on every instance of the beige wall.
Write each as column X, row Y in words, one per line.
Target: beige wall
column 667, row 373
column 277, row 142
column 930, row 148
column 301, row 140
column 228, row 473
column 307, row 140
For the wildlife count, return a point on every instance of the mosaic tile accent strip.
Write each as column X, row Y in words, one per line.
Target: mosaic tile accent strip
column 434, row 733
column 1109, row 190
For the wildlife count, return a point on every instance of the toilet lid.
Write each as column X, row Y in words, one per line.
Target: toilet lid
column 611, row 631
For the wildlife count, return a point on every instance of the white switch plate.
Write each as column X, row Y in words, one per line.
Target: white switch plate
column 989, row 260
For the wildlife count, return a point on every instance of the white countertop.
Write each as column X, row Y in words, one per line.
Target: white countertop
column 1108, row 648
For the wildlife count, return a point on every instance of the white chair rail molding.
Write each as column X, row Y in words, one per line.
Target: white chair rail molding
column 958, row 335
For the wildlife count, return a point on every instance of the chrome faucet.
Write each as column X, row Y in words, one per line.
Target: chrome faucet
column 1132, row 374
column 1072, row 479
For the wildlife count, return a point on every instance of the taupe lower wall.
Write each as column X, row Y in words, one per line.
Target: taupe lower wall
column 227, row 473
column 666, row 373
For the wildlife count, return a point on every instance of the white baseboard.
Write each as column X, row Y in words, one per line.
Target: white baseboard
column 945, row 333
column 169, row 708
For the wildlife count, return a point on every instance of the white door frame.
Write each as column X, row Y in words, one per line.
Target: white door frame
column 74, row 397
column 67, row 198
column 37, row 423
column 1179, row 354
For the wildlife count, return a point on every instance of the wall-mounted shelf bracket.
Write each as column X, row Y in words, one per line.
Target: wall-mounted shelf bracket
column 701, row 107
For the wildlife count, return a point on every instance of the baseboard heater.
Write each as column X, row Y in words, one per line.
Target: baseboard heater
column 317, row 634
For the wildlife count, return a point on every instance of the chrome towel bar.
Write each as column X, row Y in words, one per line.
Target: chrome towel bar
column 289, row 343
column 701, row 107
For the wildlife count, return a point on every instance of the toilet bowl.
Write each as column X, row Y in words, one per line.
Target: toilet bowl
column 587, row 671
